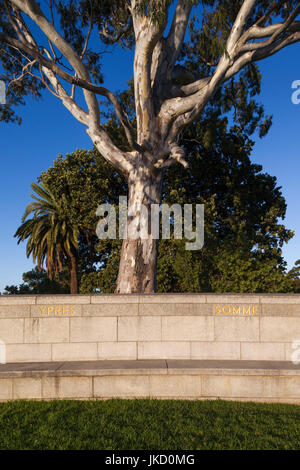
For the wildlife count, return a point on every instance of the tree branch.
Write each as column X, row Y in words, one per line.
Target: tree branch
column 177, row 32
column 147, row 34
column 181, row 111
column 119, row 159
column 74, row 80
column 113, row 38
column 32, row 9
column 239, row 24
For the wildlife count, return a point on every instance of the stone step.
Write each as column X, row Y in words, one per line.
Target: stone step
column 268, row 381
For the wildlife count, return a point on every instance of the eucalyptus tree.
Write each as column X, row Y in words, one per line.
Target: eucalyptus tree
column 55, row 46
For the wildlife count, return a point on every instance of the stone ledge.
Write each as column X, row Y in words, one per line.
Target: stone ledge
column 266, row 381
column 169, row 298
column 147, row 367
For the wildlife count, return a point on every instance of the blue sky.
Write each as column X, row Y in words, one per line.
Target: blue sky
column 48, row 129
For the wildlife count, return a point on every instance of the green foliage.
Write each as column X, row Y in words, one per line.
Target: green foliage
column 245, row 272
column 218, row 18
column 294, row 275
column 89, row 181
column 148, row 424
column 243, row 207
column 37, row 282
column 103, row 278
column 51, row 234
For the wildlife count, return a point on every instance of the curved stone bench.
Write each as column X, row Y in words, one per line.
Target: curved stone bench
column 267, row 381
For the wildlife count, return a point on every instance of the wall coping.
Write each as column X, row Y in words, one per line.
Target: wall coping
column 147, row 367
column 204, row 298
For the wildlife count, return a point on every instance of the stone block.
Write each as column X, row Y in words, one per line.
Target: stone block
column 63, row 299
column 11, row 330
column 231, row 386
column 280, row 299
column 263, row 351
column 6, row 389
column 28, row 352
column 281, row 329
column 109, row 309
column 215, row 350
column 115, row 299
column 125, row 386
column 175, row 309
column 164, row 350
column 236, row 328
column 74, row 352
column 250, row 386
column 46, row 330
column 244, row 299
column 27, row 388
column 281, row 310
column 17, row 300
column 190, row 328
column 139, row 328
column 172, row 298
column 67, row 387
column 93, row 329
column 175, row 386
column 126, row 350
column 14, row 311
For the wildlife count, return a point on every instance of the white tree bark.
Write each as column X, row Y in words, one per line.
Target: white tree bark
column 137, row 270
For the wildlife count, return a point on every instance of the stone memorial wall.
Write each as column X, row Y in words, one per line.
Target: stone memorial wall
column 160, row 326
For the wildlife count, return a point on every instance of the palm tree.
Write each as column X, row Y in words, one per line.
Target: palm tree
column 51, row 235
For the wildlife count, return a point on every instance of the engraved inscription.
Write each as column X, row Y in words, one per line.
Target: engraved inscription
column 57, row 310
column 236, row 309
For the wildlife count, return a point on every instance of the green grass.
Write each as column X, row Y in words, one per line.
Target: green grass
column 148, row 424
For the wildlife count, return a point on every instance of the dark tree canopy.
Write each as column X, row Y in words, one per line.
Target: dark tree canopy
column 37, row 282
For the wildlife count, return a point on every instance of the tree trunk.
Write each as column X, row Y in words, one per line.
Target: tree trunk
column 137, row 269
column 73, row 274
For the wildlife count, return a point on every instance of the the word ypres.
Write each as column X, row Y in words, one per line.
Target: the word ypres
column 57, row 310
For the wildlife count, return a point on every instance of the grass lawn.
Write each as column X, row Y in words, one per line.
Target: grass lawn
column 148, row 424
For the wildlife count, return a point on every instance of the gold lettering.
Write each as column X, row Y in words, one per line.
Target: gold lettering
column 247, row 312
column 236, row 310
column 218, row 311
column 254, row 310
column 68, row 310
column 43, row 310
column 56, row 311
column 49, row 310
